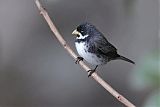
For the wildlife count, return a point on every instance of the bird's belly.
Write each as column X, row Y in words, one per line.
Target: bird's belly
column 92, row 58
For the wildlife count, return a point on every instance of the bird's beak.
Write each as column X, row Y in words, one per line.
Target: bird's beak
column 75, row 32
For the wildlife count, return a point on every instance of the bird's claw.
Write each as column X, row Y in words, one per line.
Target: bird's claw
column 78, row 60
column 90, row 72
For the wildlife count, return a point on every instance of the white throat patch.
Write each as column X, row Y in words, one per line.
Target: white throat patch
column 82, row 37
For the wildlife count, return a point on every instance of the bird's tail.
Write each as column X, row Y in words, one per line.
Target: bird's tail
column 125, row 59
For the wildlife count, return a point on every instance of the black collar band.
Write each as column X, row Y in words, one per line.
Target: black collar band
column 80, row 40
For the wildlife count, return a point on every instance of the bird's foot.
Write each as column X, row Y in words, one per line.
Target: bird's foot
column 90, row 72
column 78, row 60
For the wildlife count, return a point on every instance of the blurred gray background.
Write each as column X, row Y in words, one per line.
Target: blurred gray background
column 35, row 70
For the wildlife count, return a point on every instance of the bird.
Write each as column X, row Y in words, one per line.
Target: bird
column 93, row 47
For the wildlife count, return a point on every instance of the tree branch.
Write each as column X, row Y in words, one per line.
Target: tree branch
column 95, row 76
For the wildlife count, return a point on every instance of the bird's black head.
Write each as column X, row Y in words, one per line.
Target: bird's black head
column 84, row 30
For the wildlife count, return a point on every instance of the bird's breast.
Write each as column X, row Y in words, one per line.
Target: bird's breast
column 92, row 58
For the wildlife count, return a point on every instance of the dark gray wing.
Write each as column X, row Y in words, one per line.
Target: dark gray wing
column 99, row 44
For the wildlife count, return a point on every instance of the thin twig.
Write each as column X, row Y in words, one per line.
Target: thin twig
column 95, row 76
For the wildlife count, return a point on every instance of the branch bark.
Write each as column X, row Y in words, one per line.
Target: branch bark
column 95, row 76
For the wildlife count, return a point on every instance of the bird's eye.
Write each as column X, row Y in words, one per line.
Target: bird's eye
column 78, row 36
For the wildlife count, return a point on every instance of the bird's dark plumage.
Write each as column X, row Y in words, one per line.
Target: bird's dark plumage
column 96, row 44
